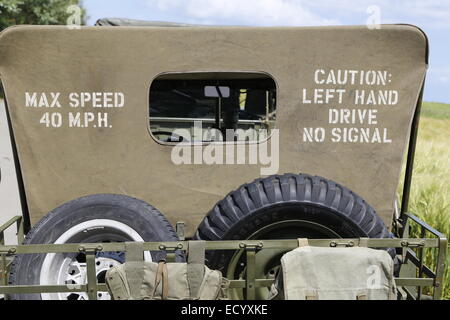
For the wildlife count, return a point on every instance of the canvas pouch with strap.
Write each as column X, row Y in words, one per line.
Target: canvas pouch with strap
column 320, row 273
column 137, row 279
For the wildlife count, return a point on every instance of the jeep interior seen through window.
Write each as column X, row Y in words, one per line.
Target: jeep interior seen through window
column 229, row 102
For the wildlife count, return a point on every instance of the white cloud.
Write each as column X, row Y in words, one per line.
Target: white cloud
column 244, row 12
column 429, row 13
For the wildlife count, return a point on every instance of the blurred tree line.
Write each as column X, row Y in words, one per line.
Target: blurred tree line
column 14, row 12
column 47, row 12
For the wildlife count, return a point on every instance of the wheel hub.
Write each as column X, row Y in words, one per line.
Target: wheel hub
column 71, row 269
column 75, row 273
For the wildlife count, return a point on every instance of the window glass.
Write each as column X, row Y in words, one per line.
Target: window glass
column 212, row 106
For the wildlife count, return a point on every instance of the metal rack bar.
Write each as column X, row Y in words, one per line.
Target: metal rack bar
column 251, row 247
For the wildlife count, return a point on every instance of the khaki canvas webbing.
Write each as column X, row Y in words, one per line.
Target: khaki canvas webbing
column 134, row 268
column 162, row 276
column 361, row 296
column 303, row 242
column 363, row 242
column 134, row 251
column 195, row 266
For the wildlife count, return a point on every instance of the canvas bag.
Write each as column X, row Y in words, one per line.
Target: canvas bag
column 320, row 273
column 139, row 280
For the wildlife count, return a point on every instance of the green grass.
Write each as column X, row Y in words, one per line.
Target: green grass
column 435, row 110
column 430, row 190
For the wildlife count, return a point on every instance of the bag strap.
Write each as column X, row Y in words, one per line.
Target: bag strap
column 195, row 266
column 363, row 242
column 162, row 276
column 361, row 296
column 134, row 268
column 303, row 242
column 134, row 251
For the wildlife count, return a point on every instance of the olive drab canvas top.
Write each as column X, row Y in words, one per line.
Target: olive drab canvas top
column 346, row 97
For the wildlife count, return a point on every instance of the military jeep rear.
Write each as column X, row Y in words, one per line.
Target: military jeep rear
column 250, row 136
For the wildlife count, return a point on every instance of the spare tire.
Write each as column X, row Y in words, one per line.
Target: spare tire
column 286, row 206
column 90, row 219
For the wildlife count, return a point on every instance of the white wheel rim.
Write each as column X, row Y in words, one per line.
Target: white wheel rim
column 60, row 269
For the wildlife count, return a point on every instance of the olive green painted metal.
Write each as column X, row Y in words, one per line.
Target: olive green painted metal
column 91, row 275
column 426, row 277
column 6, row 261
column 4, row 271
column 251, row 261
column 221, row 245
column 416, row 259
column 18, row 221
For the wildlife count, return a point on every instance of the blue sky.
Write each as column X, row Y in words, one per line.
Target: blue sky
column 433, row 16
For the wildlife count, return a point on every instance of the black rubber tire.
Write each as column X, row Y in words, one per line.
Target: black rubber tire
column 287, row 197
column 147, row 221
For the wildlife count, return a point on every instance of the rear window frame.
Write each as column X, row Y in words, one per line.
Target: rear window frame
column 205, row 143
